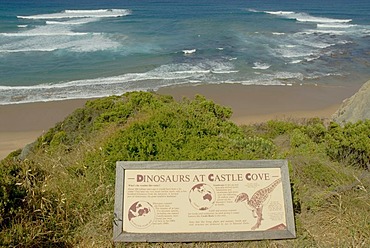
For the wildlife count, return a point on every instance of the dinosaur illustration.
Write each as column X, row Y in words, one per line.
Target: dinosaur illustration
column 255, row 203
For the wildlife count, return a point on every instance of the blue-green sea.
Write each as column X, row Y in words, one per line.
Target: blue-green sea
column 64, row 49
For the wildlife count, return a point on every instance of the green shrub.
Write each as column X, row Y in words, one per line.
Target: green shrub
column 12, row 192
column 58, row 138
column 302, row 143
column 191, row 130
column 275, row 127
column 257, row 148
column 316, row 132
column 350, row 144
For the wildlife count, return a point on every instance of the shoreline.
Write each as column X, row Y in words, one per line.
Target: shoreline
column 23, row 123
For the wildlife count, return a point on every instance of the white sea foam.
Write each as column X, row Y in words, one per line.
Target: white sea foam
column 311, row 58
column 26, row 50
column 73, row 22
column 75, row 43
column 310, row 44
column 279, row 78
column 59, row 33
column 288, row 75
column 325, row 31
column 335, row 25
column 294, row 51
column 102, row 13
column 343, row 42
column 304, row 17
column 320, row 45
column 301, row 45
column 308, row 18
column 191, row 51
column 282, row 13
column 253, row 10
column 305, row 39
column 260, row 66
column 223, row 72
column 33, row 33
column 296, row 61
column 165, row 75
column 22, row 26
column 170, row 74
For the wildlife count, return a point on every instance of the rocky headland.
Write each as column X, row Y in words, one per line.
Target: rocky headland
column 355, row 108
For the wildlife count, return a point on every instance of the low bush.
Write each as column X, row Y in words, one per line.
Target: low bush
column 350, row 144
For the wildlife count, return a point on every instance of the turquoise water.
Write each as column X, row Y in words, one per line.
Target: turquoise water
column 52, row 50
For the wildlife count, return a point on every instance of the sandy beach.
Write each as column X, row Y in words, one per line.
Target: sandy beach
column 253, row 104
column 21, row 124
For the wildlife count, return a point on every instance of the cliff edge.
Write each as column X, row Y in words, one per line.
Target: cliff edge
column 355, row 108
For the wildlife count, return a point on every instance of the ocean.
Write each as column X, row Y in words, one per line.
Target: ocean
column 68, row 49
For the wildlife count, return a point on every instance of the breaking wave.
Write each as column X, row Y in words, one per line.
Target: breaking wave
column 260, row 66
column 58, row 32
column 161, row 76
column 101, row 13
column 304, row 17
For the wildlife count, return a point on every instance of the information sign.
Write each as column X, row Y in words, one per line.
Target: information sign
column 203, row 201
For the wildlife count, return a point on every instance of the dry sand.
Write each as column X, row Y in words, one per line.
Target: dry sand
column 21, row 124
column 253, row 104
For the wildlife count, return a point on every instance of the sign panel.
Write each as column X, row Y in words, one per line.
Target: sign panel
column 203, row 201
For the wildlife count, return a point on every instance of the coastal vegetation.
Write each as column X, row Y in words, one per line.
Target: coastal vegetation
column 59, row 191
